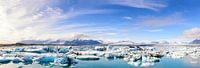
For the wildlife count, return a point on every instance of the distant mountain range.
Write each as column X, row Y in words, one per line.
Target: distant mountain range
column 42, row 42
column 92, row 42
column 122, row 43
column 196, row 41
column 82, row 42
column 69, row 42
column 30, row 42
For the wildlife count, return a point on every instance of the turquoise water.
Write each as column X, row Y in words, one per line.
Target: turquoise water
column 117, row 63
column 165, row 63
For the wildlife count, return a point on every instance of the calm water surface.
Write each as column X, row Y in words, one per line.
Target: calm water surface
column 105, row 63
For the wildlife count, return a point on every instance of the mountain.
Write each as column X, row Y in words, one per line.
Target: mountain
column 55, row 42
column 196, row 41
column 122, row 43
column 42, row 42
column 73, row 42
column 82, row 42
column 31, row 42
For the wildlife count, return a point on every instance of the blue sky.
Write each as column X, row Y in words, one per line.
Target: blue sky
column 125, row 21
column 110, row 20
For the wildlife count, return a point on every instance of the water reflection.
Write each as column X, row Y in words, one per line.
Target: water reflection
column 191, row 60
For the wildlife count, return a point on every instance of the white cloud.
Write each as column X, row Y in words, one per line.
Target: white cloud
column 173, row 19
column 146, row 4
column 34, row 19
column 154, row 5
column 193, row 33
column 155, row 30
column 25, row 19
column 127, row 18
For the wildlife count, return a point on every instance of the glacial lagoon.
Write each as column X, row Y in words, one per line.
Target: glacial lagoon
column 105, row 63
column 173, row 60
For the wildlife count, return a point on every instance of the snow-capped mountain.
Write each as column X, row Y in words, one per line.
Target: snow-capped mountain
column 82, row 42
column 55, row 42
column 69, row 42
column 196, row 41
column 31, row 42
column 122, row 43
column 42, row 42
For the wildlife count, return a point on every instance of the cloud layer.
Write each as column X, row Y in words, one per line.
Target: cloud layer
column 155, row 5
column 53, row 19
column 22, row 19
column 193, row 33
column 173, row 19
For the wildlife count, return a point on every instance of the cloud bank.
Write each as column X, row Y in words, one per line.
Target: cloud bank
column 173, row 19
column 22, row 19
column 36, row 19
column 193, row 33
column 155, row 5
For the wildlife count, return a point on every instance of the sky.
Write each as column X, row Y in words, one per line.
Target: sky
column 107, row 20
